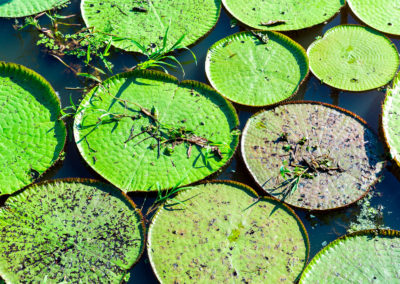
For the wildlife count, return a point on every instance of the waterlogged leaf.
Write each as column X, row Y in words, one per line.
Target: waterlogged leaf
column 346, row 58
column 370, row 256
column 335, row 167
column 382, row 15
column 31, row 135
column 225, row 233
column 283, row 15
column 142, row 24
column 256, row 68
column 144, row 127
column 391, row 120
column 22, row 8
column 69, row 231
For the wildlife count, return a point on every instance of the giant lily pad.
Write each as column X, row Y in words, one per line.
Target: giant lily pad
column 31, row 135
column 353, row 58
column 370, row 256
column 222, row 232
column 391, row 120
column 256, row 68
column 22, row 8
column 144, row 131
column 382, row 15
column 69, row 230
column 146, row 22
column 312, row 155
column 283, row 15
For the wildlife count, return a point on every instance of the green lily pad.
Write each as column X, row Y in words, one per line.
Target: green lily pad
column 22, row 8
column 353, row 58
column 370, row 256
column 256, row 68
column 391, row 120
column 147, row 21
column 31, row 135
column 382, row 15
column 311, row 155
column 144, row 130
column 222, row 232
column 283, row 15
column 69, row 231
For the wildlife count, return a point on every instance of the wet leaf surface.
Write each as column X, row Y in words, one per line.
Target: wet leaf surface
column 311, row 155
column 223, row 233
column 67, row 230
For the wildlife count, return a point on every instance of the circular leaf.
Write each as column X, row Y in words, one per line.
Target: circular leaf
column 382, row 15
column 154, row 21
column 22, row 8
column 69, row 230
column 283, row 15
column 353, row 58
column 370, row 256
column 31, row 135
column 223, row 232
column 391, row 119
column 256, row 68
column 312, row 155
column 144, row 131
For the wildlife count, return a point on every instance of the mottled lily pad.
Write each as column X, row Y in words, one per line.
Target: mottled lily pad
column 69, row 231
column 312, row 155
column 146, row 22
column 353, row 58
column 256, row 68
column 222, row 232
column 22, row 8
column 283, row 15
column 371, row 256
column 31, row 135
column 391, row 120
column 144, row 130
column 382, row 15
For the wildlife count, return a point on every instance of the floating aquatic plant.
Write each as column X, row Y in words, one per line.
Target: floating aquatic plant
column 353, row 58
column 32, row 136
column 143, row 128
column 22, row 8
column 382, row 15
column 390, row 120
column 69, row 231
column 283, row 15
column 312, row 155
column 256, row 68
column 223, row 232
column 369, row 256
column 146, row 21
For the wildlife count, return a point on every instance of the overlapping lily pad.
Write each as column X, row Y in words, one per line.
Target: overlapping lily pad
column 312, row 155
column 382, row 15
column 391, row 120
column 256, row 68
column 22, row 8
column 222, row 232
column 31, row 135
column 353, row 58
column 370, row 256
column 146, row 22
column 283, row 15
column 69, row 231
column 144, row 130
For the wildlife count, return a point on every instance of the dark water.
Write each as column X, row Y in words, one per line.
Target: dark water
column 20, row 47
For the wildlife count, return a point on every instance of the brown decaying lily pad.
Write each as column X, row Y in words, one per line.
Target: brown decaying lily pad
column 312, row 155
